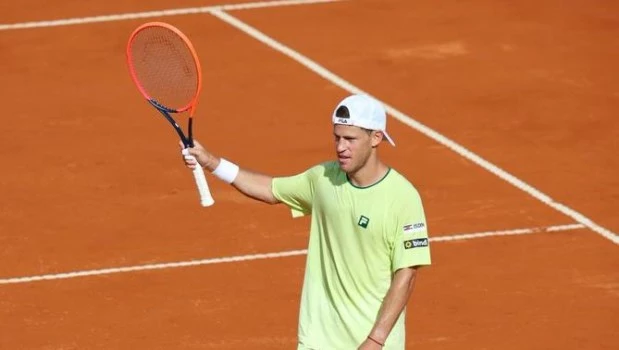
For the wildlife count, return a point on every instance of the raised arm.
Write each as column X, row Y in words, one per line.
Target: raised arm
column 253, row 185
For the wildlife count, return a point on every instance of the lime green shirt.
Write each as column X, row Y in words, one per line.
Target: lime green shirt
column 358, row 238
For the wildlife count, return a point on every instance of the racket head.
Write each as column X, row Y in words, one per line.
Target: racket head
column 165, row 67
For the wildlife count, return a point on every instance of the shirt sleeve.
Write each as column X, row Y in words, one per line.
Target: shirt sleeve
column 296, row 191
column 410, row 245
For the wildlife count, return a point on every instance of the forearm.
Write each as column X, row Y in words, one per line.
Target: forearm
column 254, row 185
column 251, row 184
column 397, row 296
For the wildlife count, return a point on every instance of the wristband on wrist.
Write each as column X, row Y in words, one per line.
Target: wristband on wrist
column 376, row 341
column 226, row 171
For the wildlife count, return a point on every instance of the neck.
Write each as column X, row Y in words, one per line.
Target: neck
column 370, row 173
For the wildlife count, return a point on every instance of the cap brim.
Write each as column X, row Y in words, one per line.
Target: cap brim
column 388, row 138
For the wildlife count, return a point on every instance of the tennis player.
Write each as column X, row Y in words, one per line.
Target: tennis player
column 368, row 234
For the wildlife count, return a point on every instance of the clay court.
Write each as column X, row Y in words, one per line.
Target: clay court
column 505, row 119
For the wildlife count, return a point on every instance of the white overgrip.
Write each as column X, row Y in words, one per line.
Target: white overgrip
column 206, row 199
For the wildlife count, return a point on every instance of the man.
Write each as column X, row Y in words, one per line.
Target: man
column 368, row 233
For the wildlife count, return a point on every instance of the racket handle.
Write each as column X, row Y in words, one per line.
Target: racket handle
column 206, row 199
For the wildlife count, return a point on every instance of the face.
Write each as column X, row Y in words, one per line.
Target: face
column 354, row 146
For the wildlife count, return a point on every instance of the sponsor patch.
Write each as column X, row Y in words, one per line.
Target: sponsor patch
column 416, row 243
column 412, row 228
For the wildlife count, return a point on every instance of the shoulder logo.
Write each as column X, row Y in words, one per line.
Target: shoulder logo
column 412, row 228
column 363, row 221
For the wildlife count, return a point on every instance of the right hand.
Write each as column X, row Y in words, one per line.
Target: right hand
column 204, row 158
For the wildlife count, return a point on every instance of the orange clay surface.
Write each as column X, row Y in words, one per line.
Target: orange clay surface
column 92, row 177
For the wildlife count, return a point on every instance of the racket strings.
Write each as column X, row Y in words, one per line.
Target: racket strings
column 165, row 67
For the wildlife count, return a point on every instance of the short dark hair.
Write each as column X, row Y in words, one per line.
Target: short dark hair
column 342, row 112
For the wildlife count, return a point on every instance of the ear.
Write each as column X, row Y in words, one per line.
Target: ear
column 377, row 137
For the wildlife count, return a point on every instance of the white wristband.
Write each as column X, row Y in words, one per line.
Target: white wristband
column 226, row 171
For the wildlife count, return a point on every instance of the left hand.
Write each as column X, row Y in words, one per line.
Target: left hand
column 369, row 345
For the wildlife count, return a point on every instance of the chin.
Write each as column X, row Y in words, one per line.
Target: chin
column 347, row 168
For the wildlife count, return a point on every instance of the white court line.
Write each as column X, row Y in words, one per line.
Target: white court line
column 515, row 232
column 229, row 259
column 431, row 133
column 162, row 13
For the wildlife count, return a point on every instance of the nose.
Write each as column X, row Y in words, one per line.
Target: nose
column 340, row 145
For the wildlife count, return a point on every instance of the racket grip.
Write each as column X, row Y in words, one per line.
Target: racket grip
column 206, row 199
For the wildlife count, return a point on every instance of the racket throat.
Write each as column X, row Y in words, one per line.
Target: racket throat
column 190, row 132
column 187, row 141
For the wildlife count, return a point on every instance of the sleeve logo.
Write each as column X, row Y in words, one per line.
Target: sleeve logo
column 416, row 243
column 412, row 228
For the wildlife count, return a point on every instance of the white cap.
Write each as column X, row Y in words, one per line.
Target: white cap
column 364, row 112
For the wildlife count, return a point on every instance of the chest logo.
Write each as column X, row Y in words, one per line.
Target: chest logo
column 363, row 221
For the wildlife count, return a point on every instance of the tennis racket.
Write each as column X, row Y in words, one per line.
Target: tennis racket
column 165, row 68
